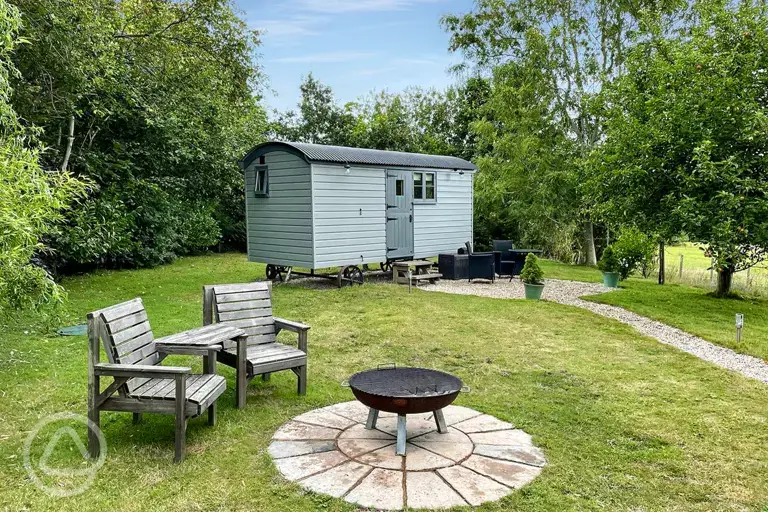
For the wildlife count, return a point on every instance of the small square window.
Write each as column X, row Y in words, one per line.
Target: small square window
column 400, row 188
column 424, row 186
column 262, row 181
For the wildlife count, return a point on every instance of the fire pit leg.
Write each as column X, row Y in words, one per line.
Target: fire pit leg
column 401, row 434
column 440, row 420
column 373, row 416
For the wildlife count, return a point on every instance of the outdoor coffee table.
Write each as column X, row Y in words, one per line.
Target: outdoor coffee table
column 405, row 391
column 203, row 341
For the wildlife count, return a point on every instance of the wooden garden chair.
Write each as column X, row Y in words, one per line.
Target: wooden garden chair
column 249, row 307
column 141, row 382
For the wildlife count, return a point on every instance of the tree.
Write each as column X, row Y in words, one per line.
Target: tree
column 160, row 97
column 320, row 120
column 31, row 200
column 586, row 45
column 525, row 189
column 685, row 148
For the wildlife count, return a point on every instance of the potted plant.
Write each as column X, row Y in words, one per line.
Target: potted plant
column 532, row 277
column 611, row 266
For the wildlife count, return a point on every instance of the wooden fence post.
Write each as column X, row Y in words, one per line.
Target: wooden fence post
column 661, row 262
column 681, row 266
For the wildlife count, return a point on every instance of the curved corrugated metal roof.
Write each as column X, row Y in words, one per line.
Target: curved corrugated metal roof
column 361, row 156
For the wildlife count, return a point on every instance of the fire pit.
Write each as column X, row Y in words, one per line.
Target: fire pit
column 405, row 391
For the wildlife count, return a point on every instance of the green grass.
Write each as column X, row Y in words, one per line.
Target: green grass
column 692, row 309
column 626, row 422
column 695, row 311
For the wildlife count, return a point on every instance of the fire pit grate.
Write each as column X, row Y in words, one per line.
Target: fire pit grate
column 405, row 382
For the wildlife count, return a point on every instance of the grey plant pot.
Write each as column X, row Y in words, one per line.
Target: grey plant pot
column 611, row 279
column 533, row 291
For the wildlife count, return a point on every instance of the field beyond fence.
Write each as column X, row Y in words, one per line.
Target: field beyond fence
column 687, row 264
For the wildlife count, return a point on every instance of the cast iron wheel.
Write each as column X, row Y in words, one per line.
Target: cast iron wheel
column 386, row 266
column 271, row 272
column 350, row 275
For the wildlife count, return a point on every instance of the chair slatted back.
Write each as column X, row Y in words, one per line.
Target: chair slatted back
column 127, row 337
column 504, row 246
column 247, row 306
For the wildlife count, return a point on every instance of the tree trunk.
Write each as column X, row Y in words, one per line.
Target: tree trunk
column 662, row 277
column 70, row 140
column 589, row 244
column 724, row 280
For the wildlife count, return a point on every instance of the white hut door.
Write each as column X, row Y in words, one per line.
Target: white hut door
column 399, row 214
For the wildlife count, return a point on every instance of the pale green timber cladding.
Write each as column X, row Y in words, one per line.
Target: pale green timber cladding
column 349, row 215
column 446, row 225
column 280, row 226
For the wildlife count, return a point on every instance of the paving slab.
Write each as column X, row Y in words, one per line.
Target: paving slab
column 508, row 473
column 452, row 414
column 295, row 468
column 295, row 431
column 385, row 458
column 419, row 459
column 282, row 449
column 359, row 431
column 325, row 418
column 415, row 425
column 381, row 489
column 353, row 410
column 473, row 487
column 355, row 447
column 453, row 445
column 503, row 437
column 525, row 454
column 337, row 481
column 428, row 490
column 482, row 423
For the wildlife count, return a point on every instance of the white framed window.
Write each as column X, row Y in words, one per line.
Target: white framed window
column 261, row 175
column 425, row 187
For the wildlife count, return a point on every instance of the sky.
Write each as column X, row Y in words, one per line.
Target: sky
column 354, row 46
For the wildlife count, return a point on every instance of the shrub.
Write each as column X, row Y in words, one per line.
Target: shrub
column 97, row 233
column 635, row 251
column 198, row 229
column 532, row 273
column 609, row 262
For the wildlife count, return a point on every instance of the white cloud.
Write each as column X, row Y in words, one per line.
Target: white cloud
column 326, row 57
column 342, row 6
column 296, row 26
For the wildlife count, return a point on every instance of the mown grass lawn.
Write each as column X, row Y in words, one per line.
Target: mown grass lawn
column 689, row 308
column 626, row 423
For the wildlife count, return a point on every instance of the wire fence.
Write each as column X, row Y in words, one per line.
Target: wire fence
column 684, row 265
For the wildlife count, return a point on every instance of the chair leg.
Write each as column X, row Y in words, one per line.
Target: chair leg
column 212, row 415
column 242, row 378
column 265, row 376
column 94, row 448
column 302, row 380
column 137, row 418
column 181, row 418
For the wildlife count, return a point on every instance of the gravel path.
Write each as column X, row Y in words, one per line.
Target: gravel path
column 569, row 292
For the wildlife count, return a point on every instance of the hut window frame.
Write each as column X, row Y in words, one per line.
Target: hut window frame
column 261, row 181
column 425, row 187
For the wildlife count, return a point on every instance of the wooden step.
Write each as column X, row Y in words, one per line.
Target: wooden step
column 426, row 277
column 417, row 278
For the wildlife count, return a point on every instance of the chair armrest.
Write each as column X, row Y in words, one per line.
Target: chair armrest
column 288, row 325
column 138, row 370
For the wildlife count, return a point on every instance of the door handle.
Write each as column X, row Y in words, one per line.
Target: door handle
column 410, row 218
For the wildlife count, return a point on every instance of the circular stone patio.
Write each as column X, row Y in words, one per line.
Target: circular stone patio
column 480, row 459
